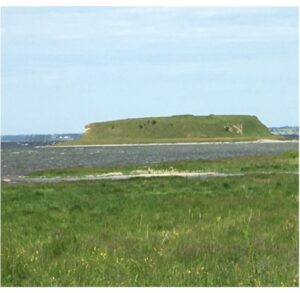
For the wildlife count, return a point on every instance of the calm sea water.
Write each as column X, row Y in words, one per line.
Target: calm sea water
column 20, row 159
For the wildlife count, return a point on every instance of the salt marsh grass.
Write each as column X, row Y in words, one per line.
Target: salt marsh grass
column 235, row 231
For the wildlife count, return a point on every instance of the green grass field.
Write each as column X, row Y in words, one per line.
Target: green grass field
column 234, row 231
column 185, row 128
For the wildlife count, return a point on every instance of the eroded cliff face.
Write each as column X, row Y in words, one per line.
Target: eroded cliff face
column 235, row 128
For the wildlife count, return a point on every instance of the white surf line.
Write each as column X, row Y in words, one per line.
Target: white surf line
column 170, row 144
column 110, row 176
column 23, row 179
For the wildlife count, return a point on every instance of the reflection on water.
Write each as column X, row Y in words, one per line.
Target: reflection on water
column 20, row 159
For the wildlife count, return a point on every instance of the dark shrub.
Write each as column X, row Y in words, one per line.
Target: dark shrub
column 226, row 185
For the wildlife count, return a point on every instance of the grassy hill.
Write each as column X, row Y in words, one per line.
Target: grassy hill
column 184, row 128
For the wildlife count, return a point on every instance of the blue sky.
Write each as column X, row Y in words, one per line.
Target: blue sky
column 65, row 67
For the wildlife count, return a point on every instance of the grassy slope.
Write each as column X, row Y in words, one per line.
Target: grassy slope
column 155, row 232
column 185, row 128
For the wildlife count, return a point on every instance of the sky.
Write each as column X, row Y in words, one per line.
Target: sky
column 65, row 67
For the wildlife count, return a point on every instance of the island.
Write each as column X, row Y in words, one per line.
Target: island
column 175, row 129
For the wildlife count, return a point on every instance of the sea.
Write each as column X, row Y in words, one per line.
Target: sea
column 19, row 158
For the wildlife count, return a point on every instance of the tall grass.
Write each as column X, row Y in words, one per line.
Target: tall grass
column 155, row 232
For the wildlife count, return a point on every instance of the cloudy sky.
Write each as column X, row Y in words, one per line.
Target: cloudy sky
column 65, row 67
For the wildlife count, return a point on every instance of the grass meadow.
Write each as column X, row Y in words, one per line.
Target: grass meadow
column 231, row 231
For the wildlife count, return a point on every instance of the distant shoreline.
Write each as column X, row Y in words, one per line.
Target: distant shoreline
column 171, row 143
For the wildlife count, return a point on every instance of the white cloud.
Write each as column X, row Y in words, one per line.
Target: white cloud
column 148, row 24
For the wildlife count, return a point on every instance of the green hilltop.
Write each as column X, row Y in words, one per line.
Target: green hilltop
column 183, row 128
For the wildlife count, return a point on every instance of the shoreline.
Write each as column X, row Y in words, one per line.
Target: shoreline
column 112, row 176
column 120, row 176
column 171, row 143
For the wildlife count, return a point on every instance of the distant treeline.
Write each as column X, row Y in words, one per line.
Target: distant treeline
column 285, row 130
column 40, row 137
